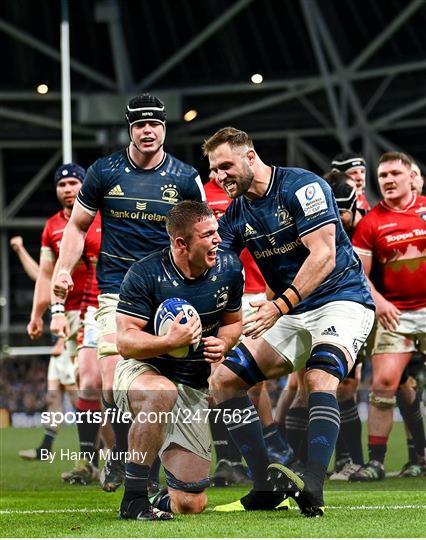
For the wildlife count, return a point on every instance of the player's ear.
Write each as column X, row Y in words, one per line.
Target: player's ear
column 180, row 242
column 251, row 155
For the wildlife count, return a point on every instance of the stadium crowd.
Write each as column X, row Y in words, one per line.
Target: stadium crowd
column 320, row 264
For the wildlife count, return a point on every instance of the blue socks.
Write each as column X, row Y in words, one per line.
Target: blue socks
column 245, row 429
column 323, row 429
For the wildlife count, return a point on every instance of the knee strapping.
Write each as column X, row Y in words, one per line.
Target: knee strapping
column 187, row 487
column 328, row 358
column 381, row 402
column 242, row 363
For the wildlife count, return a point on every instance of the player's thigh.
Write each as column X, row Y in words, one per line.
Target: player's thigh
column 343, row 324
column 188, row 428
column 269, row 359
column 137, row 383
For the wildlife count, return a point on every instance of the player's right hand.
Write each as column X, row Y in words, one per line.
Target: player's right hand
column 62, row 284
column 387, row 314
column 35, row 328
column 16, row 243
column 59, row 325
column 189, row 333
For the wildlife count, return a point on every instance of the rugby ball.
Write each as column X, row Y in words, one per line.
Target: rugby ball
column 166, row 314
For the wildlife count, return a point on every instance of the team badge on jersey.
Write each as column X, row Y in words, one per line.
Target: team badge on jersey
column 284, row 217
column 222, row 297
column 170, row 193
column 312, row 199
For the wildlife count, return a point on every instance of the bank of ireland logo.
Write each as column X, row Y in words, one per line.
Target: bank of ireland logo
column 222, row 296
column 310, row 193
column 170, row 193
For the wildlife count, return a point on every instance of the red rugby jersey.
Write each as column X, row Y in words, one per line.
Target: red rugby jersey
column 397, row 241
column 50, row 242
column 219, row 201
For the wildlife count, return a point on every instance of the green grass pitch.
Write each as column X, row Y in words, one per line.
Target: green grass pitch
column 35, row 503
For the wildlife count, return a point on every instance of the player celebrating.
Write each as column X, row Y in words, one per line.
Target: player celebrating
column 150, row 381
column 393, row 235
column 321, row 315
column 133, row 189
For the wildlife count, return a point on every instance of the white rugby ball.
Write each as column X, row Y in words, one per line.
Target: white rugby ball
column 166, row 314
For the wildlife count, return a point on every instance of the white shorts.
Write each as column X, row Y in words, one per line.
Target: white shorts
column 188, row 424
column 342, row 323
column 410, row 336
column 73, row 320
column 251, row 297
column 61, row 368
column 105, row 317
column 88, row 332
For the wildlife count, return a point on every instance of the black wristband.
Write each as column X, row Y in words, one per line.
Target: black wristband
column 287, row 301
column 296, row 292
column 278, row 307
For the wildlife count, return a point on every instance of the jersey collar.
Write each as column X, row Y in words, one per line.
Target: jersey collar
column 179, row 273
column 409, row 205
column 134, row 166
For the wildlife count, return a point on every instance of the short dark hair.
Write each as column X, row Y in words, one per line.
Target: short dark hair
column 182, row 217
column 396, row 156
column 234, row 137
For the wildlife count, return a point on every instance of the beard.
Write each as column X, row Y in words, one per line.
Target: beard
column 244, row 183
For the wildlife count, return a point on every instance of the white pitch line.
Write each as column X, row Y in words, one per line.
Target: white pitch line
column 98, row 510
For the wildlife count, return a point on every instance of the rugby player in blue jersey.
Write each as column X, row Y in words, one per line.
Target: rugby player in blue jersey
column 133, row 190
column 150, row 382
column 321, row 314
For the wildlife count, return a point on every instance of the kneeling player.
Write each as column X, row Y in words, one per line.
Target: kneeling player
column 150, row 382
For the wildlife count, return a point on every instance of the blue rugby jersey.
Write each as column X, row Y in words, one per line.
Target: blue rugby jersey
column 296, row 203
column 133, row 204
column 156, row 278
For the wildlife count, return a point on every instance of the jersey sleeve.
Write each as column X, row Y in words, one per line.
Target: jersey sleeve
column 91, row 195
column 231, row 239
column 363, row 237
column 236, row 291
column 195, row 190
column 47, row 251
column 311, row 202
column 135, row 297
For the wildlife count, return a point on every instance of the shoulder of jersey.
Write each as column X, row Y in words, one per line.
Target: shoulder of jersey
column 150, row 259
column 229, row 260
column 110, row 164
column 179, row 168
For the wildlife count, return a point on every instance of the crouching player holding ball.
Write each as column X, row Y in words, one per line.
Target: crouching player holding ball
column 168, row 373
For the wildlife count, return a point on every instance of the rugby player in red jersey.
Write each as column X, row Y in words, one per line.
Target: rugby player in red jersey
column 68, row 179
column 393, row 235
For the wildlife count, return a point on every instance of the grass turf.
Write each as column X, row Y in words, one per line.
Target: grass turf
column 35, row 503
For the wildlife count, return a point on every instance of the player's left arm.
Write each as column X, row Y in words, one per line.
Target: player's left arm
column 320, row 262
column 215, row 347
